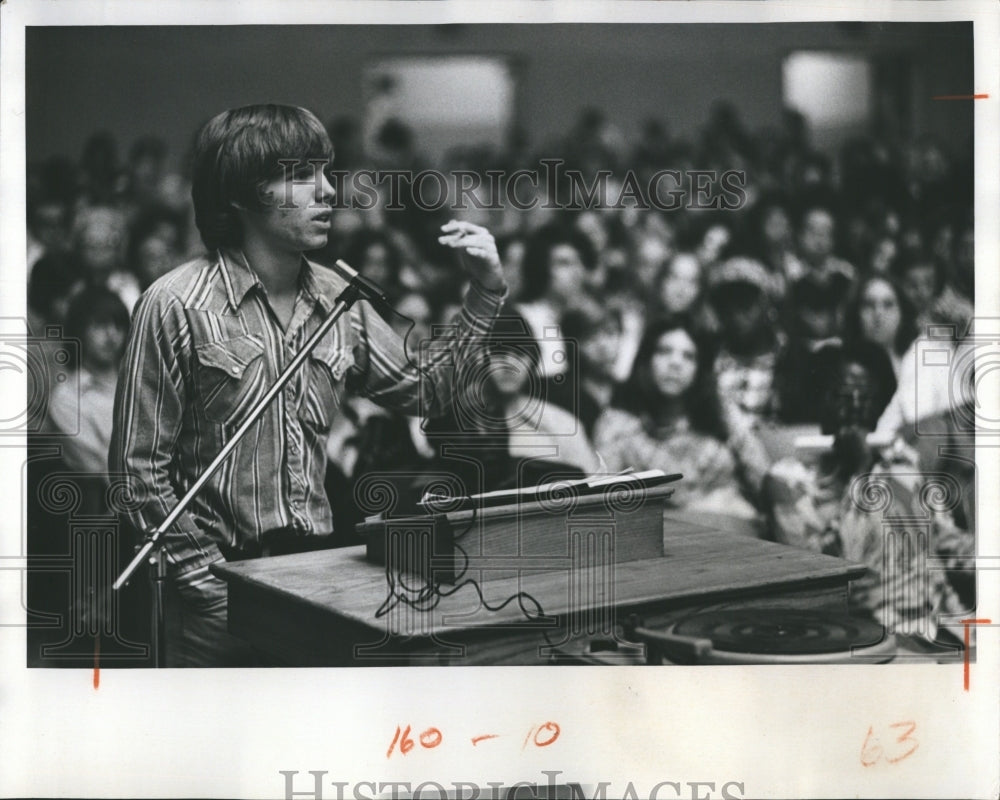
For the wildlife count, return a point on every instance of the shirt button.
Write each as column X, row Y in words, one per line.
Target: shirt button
column 235, row 370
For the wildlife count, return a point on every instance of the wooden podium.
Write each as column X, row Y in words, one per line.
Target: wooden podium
column 338, row 608
column 551, row 527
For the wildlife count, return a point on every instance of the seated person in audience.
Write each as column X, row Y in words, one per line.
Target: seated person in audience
column 82, row 408
column 836, row 505
column 880, row 313
column 671, row 419
column 372, row 438
column 369, row 440
column 55, row 280
column 769, row 238
column 374, row 254
column 48, row 228
column 943, row 317
column 99, row 241
column 557, row 264
column 148, row 185
column 740, row 292
column 680, row 284
column 501, row 431
column 815, row 310
column 586, row 389
column 154, row 247
column 933, row 300
column 712, row 245
column 816, row 242
column 883, row 254
column 945, row 444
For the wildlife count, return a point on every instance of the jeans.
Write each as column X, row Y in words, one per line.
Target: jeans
column 195, row 629
column 195, row 623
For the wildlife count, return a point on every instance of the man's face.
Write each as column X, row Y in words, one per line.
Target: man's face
column 599, row 350
column 568, row 273
column 50, row 227
column 712, row 244
column 681, row 285
column 816, row 240
column 297, row 214
column 413, row 309
column 100, row 247
column 741, row 310
column 850, row 403
column 102, row 344
column 777, row 228
column 818, row 323
column 155, row 258
column 376, row 264
column 918, row 285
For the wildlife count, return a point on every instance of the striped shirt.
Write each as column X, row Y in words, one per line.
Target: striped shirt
column 204, row 346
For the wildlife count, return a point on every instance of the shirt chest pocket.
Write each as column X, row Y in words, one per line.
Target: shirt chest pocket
column 230, row 377
column 327, row 364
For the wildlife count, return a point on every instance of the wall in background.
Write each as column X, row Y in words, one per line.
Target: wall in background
column 167, row 80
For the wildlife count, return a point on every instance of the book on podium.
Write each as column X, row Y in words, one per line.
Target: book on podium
column 551, row 526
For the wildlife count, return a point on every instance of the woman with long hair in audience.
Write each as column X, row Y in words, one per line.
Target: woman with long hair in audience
column 671, row 419
column 558, row 266
column 943, row 318
column 879, row 312
column 502, row 430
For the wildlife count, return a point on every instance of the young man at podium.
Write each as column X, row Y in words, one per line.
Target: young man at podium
column 209, row 339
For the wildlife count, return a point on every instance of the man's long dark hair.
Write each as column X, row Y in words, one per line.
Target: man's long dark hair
column 237, row 150
column 701, row 400
column 538, row 253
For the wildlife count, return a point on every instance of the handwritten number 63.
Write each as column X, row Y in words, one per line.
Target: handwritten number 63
column 902, row 747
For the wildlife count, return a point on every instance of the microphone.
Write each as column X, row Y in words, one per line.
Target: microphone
column 367, row 290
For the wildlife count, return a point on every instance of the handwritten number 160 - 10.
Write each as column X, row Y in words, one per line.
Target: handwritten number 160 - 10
column 538, row 735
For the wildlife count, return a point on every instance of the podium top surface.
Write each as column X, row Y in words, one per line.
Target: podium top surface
column 700, row 565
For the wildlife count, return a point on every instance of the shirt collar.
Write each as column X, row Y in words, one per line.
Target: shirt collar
column 310, row 286
column 237, row 276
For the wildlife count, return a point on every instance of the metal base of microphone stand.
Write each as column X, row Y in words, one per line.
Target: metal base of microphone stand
column 157, row 616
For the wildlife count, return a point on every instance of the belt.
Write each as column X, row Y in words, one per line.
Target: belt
column 279, row 542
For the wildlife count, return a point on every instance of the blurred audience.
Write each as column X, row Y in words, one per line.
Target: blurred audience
column 873, row 245
column 838, row 505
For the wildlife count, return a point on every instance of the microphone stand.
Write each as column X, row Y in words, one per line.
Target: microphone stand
column 358, row 288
